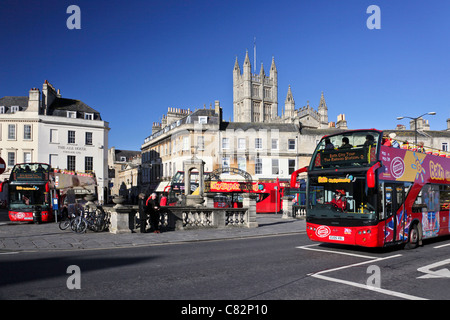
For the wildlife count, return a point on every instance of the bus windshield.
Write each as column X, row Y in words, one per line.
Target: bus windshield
column 347, row 149
column 341, row 197
column 26, row 196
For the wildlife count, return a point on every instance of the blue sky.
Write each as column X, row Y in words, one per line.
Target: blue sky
column 133, row 59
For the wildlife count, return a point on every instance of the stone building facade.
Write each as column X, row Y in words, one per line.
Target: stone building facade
column 45, row 127
column 258, row 141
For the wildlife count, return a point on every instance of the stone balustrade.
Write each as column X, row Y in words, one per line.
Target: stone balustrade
column 122, row 217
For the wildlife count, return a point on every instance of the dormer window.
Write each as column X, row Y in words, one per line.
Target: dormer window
column 14, row 109
column 89, row 116
column 71, row 114
column 2, row 109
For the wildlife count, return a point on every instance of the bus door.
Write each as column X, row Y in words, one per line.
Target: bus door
column 394, row 208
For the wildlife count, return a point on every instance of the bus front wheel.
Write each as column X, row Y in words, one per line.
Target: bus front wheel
column 413, row 237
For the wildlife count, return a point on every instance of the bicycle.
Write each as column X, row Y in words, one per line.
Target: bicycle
column 67, row 220
column 95, row 220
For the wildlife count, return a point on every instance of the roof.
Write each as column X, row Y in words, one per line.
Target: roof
column 60, row 106
column 282, row 127
column 9, row 101
column 128, row 154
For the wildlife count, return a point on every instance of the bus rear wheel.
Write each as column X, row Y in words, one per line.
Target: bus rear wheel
column 413, row 237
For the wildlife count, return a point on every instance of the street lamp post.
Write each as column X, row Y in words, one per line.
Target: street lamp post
column 415, row 123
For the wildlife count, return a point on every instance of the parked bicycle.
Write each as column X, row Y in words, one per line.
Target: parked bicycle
column 93, row 218
column 67, row 218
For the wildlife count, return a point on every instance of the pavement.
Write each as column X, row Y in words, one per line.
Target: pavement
column 29, row 237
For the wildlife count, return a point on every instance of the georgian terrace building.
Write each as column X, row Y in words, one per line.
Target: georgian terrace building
column 266, row 151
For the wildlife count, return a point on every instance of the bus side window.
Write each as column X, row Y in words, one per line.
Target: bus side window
column 444, row 204
column 418, row 204
column 388, row 191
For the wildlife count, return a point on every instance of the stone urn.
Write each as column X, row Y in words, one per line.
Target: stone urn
column 194, row 201
column 118, row 201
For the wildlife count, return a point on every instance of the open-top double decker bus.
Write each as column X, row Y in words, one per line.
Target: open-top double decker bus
column 35, row 189
column 269, row 193
column 360, row 192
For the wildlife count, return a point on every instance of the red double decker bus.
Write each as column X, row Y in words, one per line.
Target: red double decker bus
column 269, row 193
column 360, row 192
column 35, row 190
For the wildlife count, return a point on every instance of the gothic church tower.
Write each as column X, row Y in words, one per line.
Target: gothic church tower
column 255, row 96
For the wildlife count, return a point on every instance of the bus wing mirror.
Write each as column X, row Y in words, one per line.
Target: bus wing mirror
column 370, row 175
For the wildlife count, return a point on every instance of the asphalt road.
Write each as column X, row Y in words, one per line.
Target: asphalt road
column 283, row 267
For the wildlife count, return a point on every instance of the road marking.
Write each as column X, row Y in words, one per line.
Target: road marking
column 307, row 247
column 319, row 275
column 430, row 274
column 441, row 246
column 364, row 286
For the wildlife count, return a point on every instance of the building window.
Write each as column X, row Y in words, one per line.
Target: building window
column 88, row 164
column 14, row 109
column 71, row 114
column 291, row 144
column 53, row 135
column 241, row 143
column 444, row 146
column 2, row 109
column 27, row 157
column 274, row 144
column 242, row 163
column 89, row 116
column 258, row 143
column 71, row 163
column 203, row 119
column 258, row 166
column 71, row 136
column 53, row 160
column 11, row 132
column 186, row 143
column 275, row 166
column 291, row 166
column 225, row 143
column 89, row 138
column 225, row 162
column 11, row 159
column 26, row 132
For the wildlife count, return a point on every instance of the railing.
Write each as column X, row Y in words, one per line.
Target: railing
column 179, row 218
column 298, row 211
column 190, row 218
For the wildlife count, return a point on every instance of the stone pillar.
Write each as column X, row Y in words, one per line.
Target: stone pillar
column 249, row 202
column 194, row 200
column 121, row 216
column 287, row 207
column 209, row 199
column 120, row 220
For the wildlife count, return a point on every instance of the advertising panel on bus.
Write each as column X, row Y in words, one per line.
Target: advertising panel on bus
column 403, row 165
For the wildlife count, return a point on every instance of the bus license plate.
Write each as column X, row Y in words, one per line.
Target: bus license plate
column 338, row 238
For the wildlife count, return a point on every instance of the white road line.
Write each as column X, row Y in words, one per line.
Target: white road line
column 337, row 252
column 319, row 275
column 441, row 246
column 363, row 286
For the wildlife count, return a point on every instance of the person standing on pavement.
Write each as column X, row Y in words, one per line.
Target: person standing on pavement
column 154, row 210
column 143, row 216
